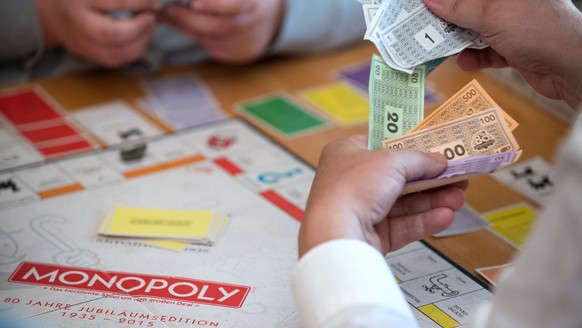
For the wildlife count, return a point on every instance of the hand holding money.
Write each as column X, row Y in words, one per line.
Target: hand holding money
column 473, row 144
column 372, row 207
column 469, row 129
column 466, row 129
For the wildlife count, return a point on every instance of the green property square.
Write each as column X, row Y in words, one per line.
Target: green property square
column 282, row 115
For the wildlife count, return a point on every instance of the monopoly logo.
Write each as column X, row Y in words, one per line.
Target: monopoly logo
column 137, row 285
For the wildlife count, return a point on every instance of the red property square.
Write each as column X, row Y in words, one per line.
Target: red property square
column 26, row 107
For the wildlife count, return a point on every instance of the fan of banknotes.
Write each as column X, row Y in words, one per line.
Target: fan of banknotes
column 408, row 34
column 469, row 129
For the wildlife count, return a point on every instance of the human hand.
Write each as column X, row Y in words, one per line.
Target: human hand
column 87, row 29
column 231, row 31
column 541, row 39
column 355, row 194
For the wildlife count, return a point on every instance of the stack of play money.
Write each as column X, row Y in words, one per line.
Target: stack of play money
column 468, row 124
column 408, row 34
column 397, row 103
column 470, row 130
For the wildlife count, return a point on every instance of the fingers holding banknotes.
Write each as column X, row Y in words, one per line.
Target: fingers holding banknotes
column 87, row 28
column 355, row 194
column 231, row 31
column 513, row 29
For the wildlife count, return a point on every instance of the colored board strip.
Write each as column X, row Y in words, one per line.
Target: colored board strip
column 438, row 316
column 228, row 166
column 283, row 204
column 60, row 191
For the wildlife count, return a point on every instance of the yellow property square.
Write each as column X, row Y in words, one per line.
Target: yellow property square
column 513, row 223
column 340, row 101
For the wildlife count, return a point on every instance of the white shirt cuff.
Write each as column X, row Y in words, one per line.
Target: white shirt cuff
column 341, row 274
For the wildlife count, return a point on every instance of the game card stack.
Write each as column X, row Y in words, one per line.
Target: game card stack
column 181, row 101
column 156, row 225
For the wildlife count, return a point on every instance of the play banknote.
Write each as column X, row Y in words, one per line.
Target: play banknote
column 471, row 99
column 463, row 169
column 479, row 134
column 396, row 102
column 408, row 34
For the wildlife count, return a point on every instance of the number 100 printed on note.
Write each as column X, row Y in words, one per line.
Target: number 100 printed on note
column 479, row 134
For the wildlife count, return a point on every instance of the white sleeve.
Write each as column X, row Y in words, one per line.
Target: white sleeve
column 347, row 283
column 311, row 26
column 544, row 289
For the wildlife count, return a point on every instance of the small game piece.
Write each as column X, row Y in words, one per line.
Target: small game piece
column 133, row 151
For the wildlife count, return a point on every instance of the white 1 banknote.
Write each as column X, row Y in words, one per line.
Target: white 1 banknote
column 369, row 13
column 396, row 101
column 471, row 99
column 389, row 13
column 423, row 36
column 482, row 133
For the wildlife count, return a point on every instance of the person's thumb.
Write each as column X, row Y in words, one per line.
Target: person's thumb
column 415, row 165
column 464, row 13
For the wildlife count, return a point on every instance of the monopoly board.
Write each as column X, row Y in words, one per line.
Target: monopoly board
column 56, row 269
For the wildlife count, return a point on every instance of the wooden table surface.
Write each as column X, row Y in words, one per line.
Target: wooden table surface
column 538, row 133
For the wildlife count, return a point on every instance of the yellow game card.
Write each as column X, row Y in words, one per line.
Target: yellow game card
column 339, row 101
column 173, row 245
column 513, row 223
column 159, row 223
column 217, row 227
column 167, row 244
